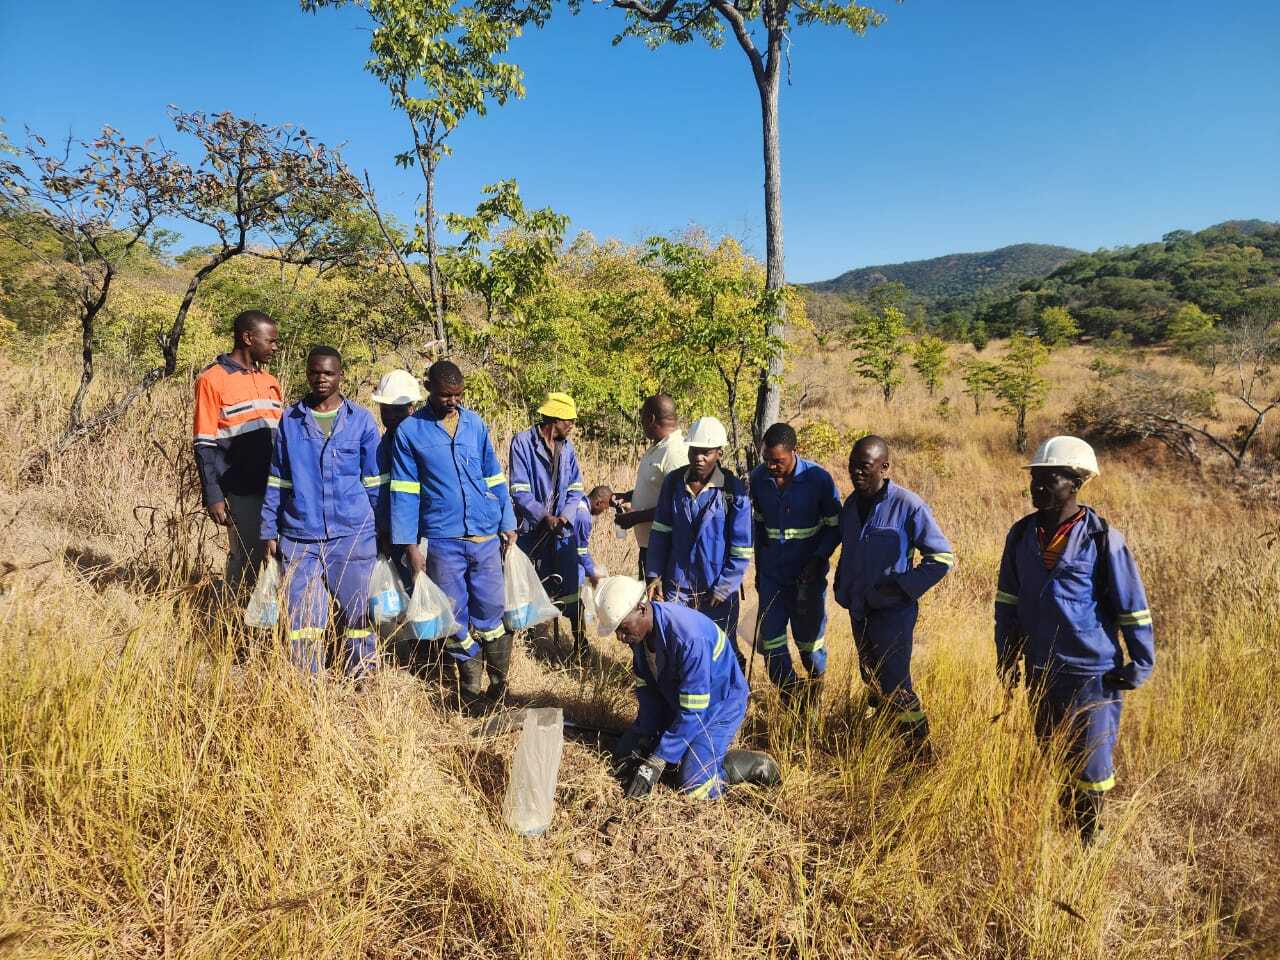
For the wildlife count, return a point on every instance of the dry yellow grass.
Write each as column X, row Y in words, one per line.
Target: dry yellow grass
column 159, row 800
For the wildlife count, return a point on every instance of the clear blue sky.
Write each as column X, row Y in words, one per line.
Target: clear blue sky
column 956, row 126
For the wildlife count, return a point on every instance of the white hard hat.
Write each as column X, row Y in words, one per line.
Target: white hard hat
column 707, row 433
column 1069, row 452
column 398, row 387
column 616, row 597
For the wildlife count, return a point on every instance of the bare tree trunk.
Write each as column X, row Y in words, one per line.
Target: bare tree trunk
column 433, row 266
column 1020, row 437
column 769, row 392
column 86, row 353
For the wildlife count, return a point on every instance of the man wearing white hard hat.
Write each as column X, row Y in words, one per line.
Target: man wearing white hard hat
column 700, row 544
column 1067, row 595
column 690, row 691
column 397, row 395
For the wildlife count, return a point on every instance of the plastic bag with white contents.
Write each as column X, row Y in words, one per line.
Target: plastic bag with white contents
column 530, row 799
column 429, row 613
column 387, row 598
column 263, row 608
column 527, row 603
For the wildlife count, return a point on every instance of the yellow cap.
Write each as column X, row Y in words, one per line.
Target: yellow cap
column 559, row 406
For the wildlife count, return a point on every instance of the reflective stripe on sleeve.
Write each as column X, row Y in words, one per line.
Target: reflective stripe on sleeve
column 948, row 558
column 831, row 521
column 721, row 641
column 695, row 701
column 279, row 483
column 740, row 552
column 519, row 487
column 380, row 480
column 1009, row 598
column 575, row 488
column 496, row 479
column 1135, row 618
column 405, row 486
column 659, row 527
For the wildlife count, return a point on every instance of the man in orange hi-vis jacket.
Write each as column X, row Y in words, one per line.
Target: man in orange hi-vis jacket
column 238, row 408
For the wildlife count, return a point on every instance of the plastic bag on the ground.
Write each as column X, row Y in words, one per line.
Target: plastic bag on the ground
column 387, row 598
column 587, row 597
column 530, row 799
column 527, row 603
column 263, row 608
column 429, row 612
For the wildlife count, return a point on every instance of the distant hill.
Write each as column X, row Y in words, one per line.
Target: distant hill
column 958, row 276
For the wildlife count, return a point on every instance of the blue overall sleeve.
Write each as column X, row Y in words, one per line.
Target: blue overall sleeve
column 279, row 479
column 405, row 489
column 496, row 481
column 660, row 533
column 829, row 510
column 375, row 483
column 693, row 701
column 582, row 540
column 1129, row 601
column 571, row 473
column 651, row 710
column 523, row 464
column 737, row 530
column 1010, row 636
column 936, row 558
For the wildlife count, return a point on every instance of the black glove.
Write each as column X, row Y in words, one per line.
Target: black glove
column 624, row 767
column 646, row 775
column 1115, row 679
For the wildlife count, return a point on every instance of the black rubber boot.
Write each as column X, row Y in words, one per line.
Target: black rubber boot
column 470, row 676
column 497, row 661
column 1087, row 809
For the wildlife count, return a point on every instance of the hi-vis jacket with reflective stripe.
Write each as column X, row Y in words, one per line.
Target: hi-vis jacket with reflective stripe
column 697, row 678
column 237, row 411
column 1070, row 618
column 582, row 523
column 323, row 487
column 880, row 549
column 700, row 545
column 443, row 486
column 531, row 488
column 796, row 523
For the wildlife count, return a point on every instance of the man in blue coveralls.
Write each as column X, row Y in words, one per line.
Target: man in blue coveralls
column 598, row 501
column 700, row 544
column 448, row 486
column 796, row 509
column 1068, row 592
column 690, row 691
column 323, row 488
column 881, row 525
column 546, row 488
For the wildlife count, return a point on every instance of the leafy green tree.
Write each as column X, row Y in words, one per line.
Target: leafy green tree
column 772, row 23
column 1057, row 326
column 978, row 335
column 440, row 62
column 1019, row 388
column 979, row 378
column 1193, row 334
column 929, row 358
column 880, row 342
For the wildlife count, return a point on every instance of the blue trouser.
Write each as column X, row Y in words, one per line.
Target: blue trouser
column 724, row 615
column 1086, row 714
column 701, row 769
column 315, row 570
column 470, row 574
column 555, row 559
column 883, row 639
column 804, row 607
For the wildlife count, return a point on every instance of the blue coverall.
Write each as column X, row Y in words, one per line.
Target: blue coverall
column 700, row 546
column 876, row 550
column 691, row 698
column 322, row 497
column 582, row 524
column 537, row 495
column 1066, row 625
column 452, row 490
column 794, row 525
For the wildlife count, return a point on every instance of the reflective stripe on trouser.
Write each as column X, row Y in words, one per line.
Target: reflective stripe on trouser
column 724, row 615
column 1086, row 715
column 702, row 766
column 246, row 550
column 884, row 640
column 314, row 571
column 471, row 575
column 806, row 614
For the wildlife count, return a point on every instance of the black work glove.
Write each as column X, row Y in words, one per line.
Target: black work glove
column 1115, row 679
column 646, row 775
column 624, row 767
